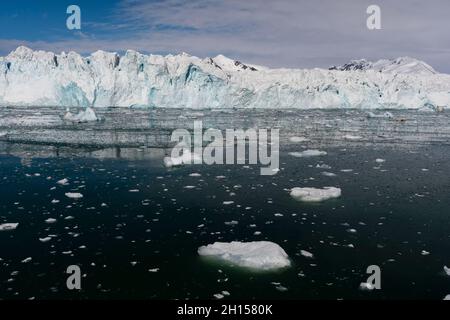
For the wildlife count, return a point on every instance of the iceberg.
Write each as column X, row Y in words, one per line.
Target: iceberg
column 105, row 79
column 83, row 116
column 262, row 255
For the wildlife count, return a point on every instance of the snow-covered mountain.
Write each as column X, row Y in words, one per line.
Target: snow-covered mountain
column 104, row 79
column 403, row 65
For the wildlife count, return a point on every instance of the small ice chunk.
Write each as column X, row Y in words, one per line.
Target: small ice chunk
column 195, row 174
column 447, row 270
column 328, row 174
column 46, row 239
column 74, row 195
column 315, row 194
column 8, row 226
column 50, row 220
column 63, row 182
column 352, row 137
column 298, row 139
column 366, row 286
column 264, row 255
column 382, row 115
column 308, row 153
column 306, row 254
column 153, row 270
column 379, row 160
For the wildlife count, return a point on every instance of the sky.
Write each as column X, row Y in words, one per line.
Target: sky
column 274, row 33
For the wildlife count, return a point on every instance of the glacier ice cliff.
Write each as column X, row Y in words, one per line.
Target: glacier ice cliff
column 105, row 79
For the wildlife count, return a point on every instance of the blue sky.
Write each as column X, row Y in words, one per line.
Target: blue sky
column 281, row 33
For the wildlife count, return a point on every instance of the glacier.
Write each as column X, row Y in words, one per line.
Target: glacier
column 105, row 79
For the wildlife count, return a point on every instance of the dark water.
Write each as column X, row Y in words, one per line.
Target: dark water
column 399, row 208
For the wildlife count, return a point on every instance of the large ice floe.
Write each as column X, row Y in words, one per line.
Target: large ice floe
column 8, row 226
column 104, row 79
column 315, row 194
column 262, row 255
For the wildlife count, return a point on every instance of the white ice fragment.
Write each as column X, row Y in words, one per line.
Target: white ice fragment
column 381, row 115
column 366, row 286
column 8, row 226
column 195, row 174
column 298, row 139
column 50, row 220
column 306, row 254
column 63, row 182
column 86, row 115
column 74, row 195
column 352, row 137
column 45, row 239
column 308, row 153
column 328, row 174
column 447, row 270
column 264, row 255
column 315, row 194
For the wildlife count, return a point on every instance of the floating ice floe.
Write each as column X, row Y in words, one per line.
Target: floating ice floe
column 308, row 153
column 315, row 194
column 352, row 137
column 447, row 297
column 379, row 160
column 380, row 115
column 306, row 254
column 298, row 139
column 74, row 195
column 185, row 158
column 328, row 174
column 366, row 286
column 45, row 239
column 63, row 182
column 263, row 255
column 8, row 226
column 83, row 116
column 447, row 270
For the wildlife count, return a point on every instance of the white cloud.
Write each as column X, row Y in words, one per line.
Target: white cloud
column 289, row 33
